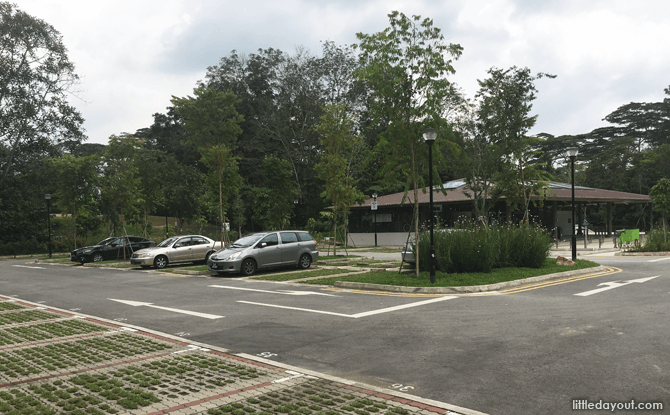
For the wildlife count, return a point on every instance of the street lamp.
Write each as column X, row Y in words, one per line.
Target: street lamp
column 429, row 136
column 373, row 206
column 572, row 153
column 47, row 197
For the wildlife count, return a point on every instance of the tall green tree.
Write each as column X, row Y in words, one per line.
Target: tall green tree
column 120, row 183
column 505, row 102
column 213, row 125
column 660, row 196
column 405, row 67
column 37, row 76
column 335, row 168
column 76, row 180
column 275, row 203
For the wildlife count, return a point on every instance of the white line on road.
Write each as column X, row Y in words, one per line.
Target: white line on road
column 286, row 292
column 358, row 315
column 174, row 310
column 614, row 284
column 661, row 259
column 298, row 309
column 26, row 266
column 401, row 307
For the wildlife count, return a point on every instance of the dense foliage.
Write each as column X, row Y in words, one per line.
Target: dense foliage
column 475, row 248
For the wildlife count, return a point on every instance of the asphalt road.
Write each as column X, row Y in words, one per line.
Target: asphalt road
column 530, row 351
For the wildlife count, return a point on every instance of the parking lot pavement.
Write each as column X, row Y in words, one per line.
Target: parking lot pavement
column 53, row 360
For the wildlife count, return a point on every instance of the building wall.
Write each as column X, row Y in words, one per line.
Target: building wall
column 386, row 238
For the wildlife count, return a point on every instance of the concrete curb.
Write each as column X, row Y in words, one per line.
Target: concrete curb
column 642, row 254
column 465, row 290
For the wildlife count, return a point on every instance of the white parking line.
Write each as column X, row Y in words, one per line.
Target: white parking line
column 358, row 315
column 26, row 266
column 286, row 292
column 661, row 259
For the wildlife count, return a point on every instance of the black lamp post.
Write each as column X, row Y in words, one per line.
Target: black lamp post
column 47, row 197
column 429, row 136
column 374, row 208
column 572, row 153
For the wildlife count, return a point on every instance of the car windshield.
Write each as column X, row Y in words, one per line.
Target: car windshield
column 246, row 241
column 168, row 241
column 107, row 241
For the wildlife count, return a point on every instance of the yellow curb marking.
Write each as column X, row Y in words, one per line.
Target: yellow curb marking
column 608, row 271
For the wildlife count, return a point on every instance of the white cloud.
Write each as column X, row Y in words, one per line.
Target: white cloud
column 134, row 55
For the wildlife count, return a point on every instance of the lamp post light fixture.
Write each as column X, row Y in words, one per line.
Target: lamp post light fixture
column 373, row 206
column 429, row 136
column 47, row 197
column 572, row 153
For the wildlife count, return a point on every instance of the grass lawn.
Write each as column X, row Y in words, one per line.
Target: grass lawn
column 304, row 274
column 455, row 280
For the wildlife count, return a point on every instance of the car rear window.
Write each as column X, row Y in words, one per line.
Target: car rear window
column 288, row 237
column 304, row 236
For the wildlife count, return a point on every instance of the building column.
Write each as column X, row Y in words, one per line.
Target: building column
column 609, row 218
column 651, row 215
column 554, row 218
column 508, row 213
column 580, row 219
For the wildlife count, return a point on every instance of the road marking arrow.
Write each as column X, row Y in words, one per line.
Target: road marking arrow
column 615, row 284
column 175, row 310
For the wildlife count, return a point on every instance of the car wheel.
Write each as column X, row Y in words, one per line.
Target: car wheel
column 305, row 261
column 207, row 257
column 248, row 267
column 97, row 258
column 160, row 262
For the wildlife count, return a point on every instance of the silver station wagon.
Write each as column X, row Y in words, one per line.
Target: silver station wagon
column 265, row 250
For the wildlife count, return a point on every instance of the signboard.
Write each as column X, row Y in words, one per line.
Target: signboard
column 373, row 206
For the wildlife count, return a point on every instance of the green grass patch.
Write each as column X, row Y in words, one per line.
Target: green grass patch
column 456, row 280
column 304, row 274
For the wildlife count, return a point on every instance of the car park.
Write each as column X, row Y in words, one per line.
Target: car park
column 183, row 248
column 113, row 248
column 265, row 250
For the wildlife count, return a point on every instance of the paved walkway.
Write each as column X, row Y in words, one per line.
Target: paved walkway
column 55, row 361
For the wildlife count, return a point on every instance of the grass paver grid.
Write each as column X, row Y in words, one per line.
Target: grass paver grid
column 9, row 305
column 31, row 361
column 156, row 384
column 313, row 397
column 47, row 331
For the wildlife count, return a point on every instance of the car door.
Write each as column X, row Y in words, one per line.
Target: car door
column 181, row 250
column 267, row 252
column 290, row 249
column 113, row 250
column 199, row 248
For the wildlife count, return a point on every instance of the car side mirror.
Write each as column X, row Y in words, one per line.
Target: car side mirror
column 263, row 244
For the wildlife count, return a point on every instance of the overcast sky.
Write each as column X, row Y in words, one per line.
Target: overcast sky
column 133, row 55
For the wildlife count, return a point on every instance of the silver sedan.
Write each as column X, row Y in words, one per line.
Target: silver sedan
column 186, row 248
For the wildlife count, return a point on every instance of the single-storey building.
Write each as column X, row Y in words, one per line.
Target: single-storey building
column 392, row 220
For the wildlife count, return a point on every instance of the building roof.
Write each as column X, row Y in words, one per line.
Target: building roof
column 561, row 192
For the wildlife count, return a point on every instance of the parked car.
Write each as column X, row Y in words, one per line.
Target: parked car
column 408, row 253
column 265, row 250
column 184, row 248
column 111, row 248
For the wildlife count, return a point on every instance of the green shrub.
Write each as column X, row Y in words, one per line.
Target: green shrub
column 476, row 248
column 656, row 241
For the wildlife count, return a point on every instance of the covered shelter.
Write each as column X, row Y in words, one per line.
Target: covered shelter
column 392, row 221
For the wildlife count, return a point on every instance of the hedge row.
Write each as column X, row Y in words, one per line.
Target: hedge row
column 472, row 248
